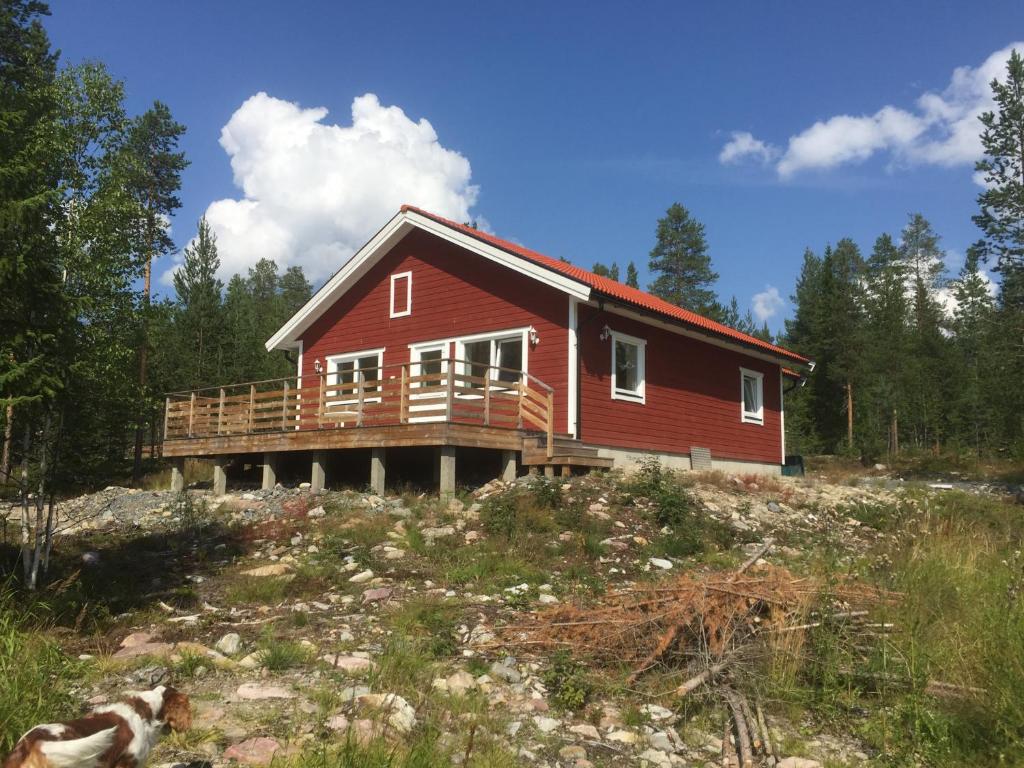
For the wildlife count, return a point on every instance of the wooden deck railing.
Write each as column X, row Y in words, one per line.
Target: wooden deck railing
column 399, row 393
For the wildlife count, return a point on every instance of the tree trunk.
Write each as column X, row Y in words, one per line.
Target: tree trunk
column 26, row 563
column 5, row 453
column 140, row 425
column 849, row 414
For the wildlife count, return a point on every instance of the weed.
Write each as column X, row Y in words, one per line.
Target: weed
column 278, row 655
column 432, row 621
column 189, row 663
column 191, row 514
column 260, row 590
column 567, row 682
column 37, row 677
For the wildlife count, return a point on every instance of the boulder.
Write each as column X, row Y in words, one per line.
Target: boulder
column 230, row 644
column 257, row 751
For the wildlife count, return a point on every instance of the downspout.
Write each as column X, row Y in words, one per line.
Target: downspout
column 579, row 365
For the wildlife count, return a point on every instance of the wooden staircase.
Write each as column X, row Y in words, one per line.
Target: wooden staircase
column 567, row 452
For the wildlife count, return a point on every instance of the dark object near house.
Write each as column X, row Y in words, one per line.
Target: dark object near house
column 794, row 466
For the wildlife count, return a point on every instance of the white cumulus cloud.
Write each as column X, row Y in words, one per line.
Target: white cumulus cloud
column 312, row 192
column 744, row 146
column 767, row 303
column 940, row 128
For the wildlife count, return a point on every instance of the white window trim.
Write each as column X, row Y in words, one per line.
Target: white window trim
column 640, row 394
column 752, row 417
column 332, row 368
column 408, row 294
column 493, row 336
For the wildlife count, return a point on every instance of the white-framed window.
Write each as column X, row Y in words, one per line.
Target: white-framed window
column 629, row 377
column 401, row 294
column 429, row 360
column 751, row 396
column 343, row 372
column 504, row 354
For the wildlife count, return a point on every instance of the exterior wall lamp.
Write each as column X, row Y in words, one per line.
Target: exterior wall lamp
column 606, row 333
column 533, row 336
column 318, row 366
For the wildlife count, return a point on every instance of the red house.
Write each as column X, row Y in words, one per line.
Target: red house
column 435, row 334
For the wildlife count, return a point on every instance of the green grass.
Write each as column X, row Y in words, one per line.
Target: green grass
column 278, row 655
column 958, row 619
column 36, row 679
column 433, row 621
column 259, row 590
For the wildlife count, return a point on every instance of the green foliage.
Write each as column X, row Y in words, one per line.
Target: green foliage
column 431, row 621
column 37, row 678
column 277, row 655
column 632, row 276
column 681, row 264
column 191, row 512
column 567, row 682
column 691, row 531
column 521, row 512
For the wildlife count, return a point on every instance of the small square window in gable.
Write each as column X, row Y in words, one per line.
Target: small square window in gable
column 401, row 294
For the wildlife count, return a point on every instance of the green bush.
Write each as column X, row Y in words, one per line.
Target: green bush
column 35, row 677
column 567, row 682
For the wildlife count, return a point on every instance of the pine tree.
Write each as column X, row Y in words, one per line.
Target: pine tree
column 632, row 276
column 600, row 269
column 1001, row 220
column 886, row 353
column 681, row 264
column 924, row 260
column 974, row 415
column 200, row 313
column 1001, row 217
column 153, row 166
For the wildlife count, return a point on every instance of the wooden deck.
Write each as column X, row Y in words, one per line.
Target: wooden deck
column 454, row 403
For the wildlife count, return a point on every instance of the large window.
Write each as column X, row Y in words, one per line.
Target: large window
column 628, row 374
column 752, row 396
column 343, row 374
column 504, row 355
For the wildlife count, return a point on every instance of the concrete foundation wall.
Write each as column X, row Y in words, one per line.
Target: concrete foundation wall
column 629, row 460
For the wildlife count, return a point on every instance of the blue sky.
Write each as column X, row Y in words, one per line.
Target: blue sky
column 568, row 127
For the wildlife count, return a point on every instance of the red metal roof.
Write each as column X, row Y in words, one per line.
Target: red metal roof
column 614, row 289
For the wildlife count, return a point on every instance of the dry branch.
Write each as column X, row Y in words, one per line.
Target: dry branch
column 742, row 733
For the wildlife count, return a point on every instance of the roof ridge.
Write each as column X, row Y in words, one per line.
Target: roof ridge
column 612, row 288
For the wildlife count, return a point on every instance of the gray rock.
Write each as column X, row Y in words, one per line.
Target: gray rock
column 505, row 671
column 230, row 644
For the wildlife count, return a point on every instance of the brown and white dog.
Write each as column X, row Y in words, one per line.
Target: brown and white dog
column 117, row 735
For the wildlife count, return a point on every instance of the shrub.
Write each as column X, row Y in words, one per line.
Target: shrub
column 278, row 655
column 567, row 682
column 36, row 677
column 516, row 514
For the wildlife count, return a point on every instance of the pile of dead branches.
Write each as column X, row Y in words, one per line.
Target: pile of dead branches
column 695, row 622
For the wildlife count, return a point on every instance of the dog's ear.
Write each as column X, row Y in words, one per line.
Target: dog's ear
column 177, row 710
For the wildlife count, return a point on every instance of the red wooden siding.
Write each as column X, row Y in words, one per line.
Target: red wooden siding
column 692, row 395
column 454, row 293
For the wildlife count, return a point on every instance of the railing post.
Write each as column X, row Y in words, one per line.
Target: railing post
column 551, row 424
column 450, row 394
column 167, row 415
column 323, row 400
column 360, row 394
column 220, row 412
column 284, row 407
column 522, row 396
column 487, row 397
column 403, row 398
column 252, row 406
column 191, row 412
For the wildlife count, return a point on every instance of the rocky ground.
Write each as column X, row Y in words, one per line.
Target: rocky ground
column 296, row 620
